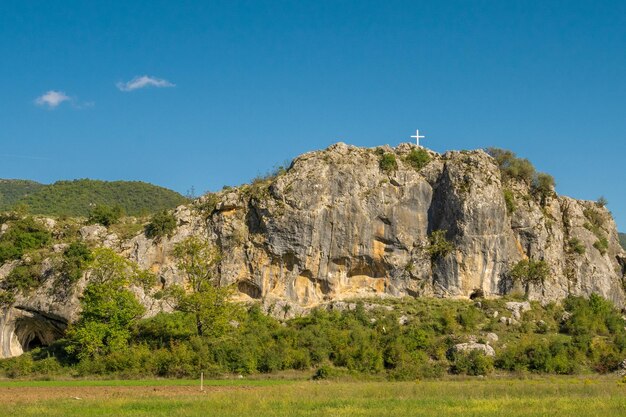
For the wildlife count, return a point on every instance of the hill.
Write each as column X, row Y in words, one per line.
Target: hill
column 77, row 197
column 622, row 239
column 11, row 191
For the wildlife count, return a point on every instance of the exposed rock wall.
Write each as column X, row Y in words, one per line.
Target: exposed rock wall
column 336, row 226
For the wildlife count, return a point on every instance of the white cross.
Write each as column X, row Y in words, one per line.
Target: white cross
column 418, row 137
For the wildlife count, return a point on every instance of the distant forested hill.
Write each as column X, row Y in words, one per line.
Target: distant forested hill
column 77, row 197
column 622, row 239
column 13, row 190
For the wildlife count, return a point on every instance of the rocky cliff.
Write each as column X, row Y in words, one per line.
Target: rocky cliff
column 351, row 222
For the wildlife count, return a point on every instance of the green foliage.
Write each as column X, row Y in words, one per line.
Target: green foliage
column 528, row 271
column 23, row 235
column 360, row 340
column 622, row 239
column 602, row 245
column 108, row 308
column 23, row 278
column 574, row 245
column 521, row 169
column 388, row 163
column 6, row 298
column 207, row 204
column 75, row 198
column 105, row 215
column 439, row 246
column 418, row 158
column 509, row 200
column 165, row 329
column 471, row 363
column 127, row 227
column 602, row 202
column 161, row 224
column 543, row 186
column 593, row 336
column 12, row 191
column 204, row 298
column 75, row 258
column 513, row 167
column 549, row 355
column 595, row 225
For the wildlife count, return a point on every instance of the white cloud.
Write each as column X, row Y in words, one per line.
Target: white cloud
column 144, row 81
column 52, row 99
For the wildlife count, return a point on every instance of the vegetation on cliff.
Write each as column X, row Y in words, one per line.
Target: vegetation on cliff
column 79, row 197
column 198, row 330
column 622, row 239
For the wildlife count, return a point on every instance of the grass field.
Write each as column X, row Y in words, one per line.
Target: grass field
column 470, row 397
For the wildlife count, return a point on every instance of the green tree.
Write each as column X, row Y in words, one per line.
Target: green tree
column 543, row 186
column 203, row 297
column 161, row 224
column 439, row 246
column 109, row 308
column 75, row 258
column 511, row 166
column 528, row 271
column 105, row 215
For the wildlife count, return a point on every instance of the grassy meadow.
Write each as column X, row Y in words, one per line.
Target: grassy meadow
column 553, row 396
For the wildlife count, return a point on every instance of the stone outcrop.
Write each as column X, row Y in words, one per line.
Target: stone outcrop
column 473, row 346
column 335, row 225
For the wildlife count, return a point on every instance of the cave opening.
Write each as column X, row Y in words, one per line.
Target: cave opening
column 36, row 331
column 34, row 343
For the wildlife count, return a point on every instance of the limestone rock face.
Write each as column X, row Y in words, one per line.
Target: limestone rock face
column 336, row 225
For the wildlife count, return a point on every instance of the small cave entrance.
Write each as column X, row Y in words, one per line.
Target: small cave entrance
column 34, row 343
column 35, row 331
column 249, row 288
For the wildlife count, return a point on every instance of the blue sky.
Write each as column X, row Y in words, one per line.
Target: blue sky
column 236, row 87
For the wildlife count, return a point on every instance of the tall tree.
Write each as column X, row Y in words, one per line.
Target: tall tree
column 203, row 297
column 109, row 308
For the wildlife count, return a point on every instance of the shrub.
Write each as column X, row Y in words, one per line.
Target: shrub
column 471, row 363
column 418, row 158
column 511, row 166
column 543, row 186
column 602, row 245
column 595, row 217
column 539, row 355
column 105, row 215
column 23, row 278
column 530, row 272
column 509, row 200
column 388, row 163
column 23, row 235
column 161, row 224
column 75, row 258
column 601, row 202
column 165, row 329
column 469, row 318
column 595, row 225
column 521, row 169
column 6, row 298
column 574, row 245
column 439, row 246
column 328, row 372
